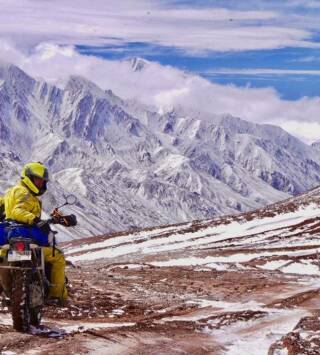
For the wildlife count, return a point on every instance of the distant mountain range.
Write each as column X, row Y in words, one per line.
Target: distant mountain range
column 131, row 166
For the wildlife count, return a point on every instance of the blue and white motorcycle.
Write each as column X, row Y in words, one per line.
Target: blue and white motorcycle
column 24, row 275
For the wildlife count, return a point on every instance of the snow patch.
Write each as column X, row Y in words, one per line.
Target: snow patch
column 303, row 268
column 274, row 264
column 87, row 326
column 147, row 245
column 71, row 180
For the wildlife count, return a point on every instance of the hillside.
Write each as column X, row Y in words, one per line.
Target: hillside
column 240, row 284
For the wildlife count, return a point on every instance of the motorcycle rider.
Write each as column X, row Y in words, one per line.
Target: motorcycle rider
column 22, row 204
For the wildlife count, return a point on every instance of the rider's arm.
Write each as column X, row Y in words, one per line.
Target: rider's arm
column 22, row 207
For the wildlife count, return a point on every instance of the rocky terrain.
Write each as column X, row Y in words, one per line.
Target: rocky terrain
column 240, row 284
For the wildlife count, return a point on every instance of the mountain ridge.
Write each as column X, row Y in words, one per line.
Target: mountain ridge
column 134, row 167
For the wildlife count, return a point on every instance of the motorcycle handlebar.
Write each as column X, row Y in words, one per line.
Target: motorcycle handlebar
column 66, row 221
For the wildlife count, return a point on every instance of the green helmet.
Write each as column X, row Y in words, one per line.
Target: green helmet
column 32, row 170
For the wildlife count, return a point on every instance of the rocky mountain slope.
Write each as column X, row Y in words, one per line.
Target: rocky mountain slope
column 133, row 167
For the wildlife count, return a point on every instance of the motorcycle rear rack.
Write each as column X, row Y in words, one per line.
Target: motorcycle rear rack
column 39, row 268
column 21, row 268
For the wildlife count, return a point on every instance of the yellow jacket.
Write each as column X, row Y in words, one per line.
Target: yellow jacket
column 21, row 205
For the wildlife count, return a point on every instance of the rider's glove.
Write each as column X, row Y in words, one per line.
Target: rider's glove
column 67, row 221
column 43, row 225
column 70, row 220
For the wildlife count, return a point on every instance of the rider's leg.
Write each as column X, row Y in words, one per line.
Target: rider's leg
column 57, row 277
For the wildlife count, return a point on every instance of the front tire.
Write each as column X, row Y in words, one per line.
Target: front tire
column 35, row 316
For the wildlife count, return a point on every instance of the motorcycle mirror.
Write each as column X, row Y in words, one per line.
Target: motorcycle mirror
column 71, row 199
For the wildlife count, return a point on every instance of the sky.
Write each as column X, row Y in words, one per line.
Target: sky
column 258, row 60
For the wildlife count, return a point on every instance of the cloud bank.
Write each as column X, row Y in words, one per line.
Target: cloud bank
column 165, row 87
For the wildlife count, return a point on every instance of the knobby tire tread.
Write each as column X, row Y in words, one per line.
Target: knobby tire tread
column 20, row 300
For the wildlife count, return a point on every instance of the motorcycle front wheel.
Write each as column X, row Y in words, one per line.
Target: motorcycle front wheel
column 36, row 301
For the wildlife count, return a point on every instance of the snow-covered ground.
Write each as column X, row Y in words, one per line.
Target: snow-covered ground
column 238, row 285
column 174, row 238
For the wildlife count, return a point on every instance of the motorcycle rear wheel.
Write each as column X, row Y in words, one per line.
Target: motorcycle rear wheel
column 20, row 307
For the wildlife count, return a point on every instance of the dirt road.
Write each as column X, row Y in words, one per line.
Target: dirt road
column 142, row 309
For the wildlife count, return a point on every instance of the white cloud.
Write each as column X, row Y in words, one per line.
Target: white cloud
column 30, row 22
column 308, row 59
column 307, row 131
column 9, row 53
column 164, row 86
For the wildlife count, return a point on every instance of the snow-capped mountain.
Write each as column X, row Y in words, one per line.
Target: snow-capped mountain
column 138, row 64
column 133, row 167
column 316, row 144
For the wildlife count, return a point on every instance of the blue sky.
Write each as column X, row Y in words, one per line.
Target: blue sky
column 261, row 57
column 215, row 66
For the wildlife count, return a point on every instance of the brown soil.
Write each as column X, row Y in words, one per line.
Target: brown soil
column 126, row 305
column 159, row 304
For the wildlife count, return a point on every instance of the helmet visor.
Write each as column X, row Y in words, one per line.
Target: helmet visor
column 44, row 175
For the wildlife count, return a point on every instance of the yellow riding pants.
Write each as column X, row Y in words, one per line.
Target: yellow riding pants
column 57, row 277
column 3, row 252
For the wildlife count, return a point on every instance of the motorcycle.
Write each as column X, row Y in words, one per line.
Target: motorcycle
column 27, row 274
